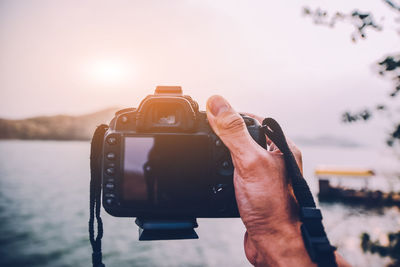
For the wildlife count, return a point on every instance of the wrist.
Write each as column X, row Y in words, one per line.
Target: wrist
column 281, row 246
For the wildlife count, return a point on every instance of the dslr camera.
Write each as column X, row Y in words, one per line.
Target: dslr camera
column 163, row 164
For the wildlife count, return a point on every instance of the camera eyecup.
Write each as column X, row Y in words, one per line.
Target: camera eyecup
column 166, row 229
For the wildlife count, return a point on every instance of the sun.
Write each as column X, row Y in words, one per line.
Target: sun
column 109, row 72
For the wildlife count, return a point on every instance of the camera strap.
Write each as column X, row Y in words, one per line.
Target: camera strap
column 315, row 239
column 95, row 194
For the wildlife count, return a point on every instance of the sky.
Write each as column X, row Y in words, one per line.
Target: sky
column 76, row 57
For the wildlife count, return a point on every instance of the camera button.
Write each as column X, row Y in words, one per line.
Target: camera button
column 111, row 140
column 110, row 186
column 124, row 119
column 110, row 201
column 111, row 156
column 110, row 171
column 218, row 188
column 226, row 168
column 147, row 168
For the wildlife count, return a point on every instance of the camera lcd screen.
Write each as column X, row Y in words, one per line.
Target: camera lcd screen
column 166, row 171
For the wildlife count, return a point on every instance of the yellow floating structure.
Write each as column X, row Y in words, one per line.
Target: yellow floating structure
column 338, row 193
column 352, row 172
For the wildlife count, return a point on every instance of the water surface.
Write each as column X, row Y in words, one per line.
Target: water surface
column 44, row 205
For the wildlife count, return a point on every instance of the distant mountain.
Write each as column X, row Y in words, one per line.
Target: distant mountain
column 65, row 127
column 59, row 127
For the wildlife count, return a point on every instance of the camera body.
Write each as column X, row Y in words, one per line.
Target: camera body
column 163, row 160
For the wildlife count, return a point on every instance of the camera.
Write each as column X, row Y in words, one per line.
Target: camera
column 163, row 160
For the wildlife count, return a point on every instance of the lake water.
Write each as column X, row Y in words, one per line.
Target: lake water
column 44, row 205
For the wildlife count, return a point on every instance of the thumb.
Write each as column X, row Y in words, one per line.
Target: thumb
column 230, row 127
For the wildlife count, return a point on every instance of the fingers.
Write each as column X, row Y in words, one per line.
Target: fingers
column 296, row 153
column 232, row 130
column 250, row 249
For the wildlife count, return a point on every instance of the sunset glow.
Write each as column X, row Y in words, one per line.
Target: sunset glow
column 109, row 72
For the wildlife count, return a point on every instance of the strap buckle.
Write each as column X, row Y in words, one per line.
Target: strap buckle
column 316, row 243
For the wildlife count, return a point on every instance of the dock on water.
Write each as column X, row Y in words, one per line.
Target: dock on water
column 344, row 194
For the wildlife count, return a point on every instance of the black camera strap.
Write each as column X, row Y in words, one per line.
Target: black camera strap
column 95, row 194
column 312, row 229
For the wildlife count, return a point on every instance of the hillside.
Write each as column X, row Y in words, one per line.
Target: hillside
column 60, row 127
column 65, row 127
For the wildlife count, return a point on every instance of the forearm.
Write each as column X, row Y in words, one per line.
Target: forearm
column 281, row 247
column 285, row 247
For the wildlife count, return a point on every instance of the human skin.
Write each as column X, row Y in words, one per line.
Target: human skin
column 264, row 196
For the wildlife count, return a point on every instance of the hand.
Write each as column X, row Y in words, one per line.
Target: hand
column 264, row 196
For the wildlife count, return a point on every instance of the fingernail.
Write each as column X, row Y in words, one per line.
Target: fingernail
column 218, row 105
